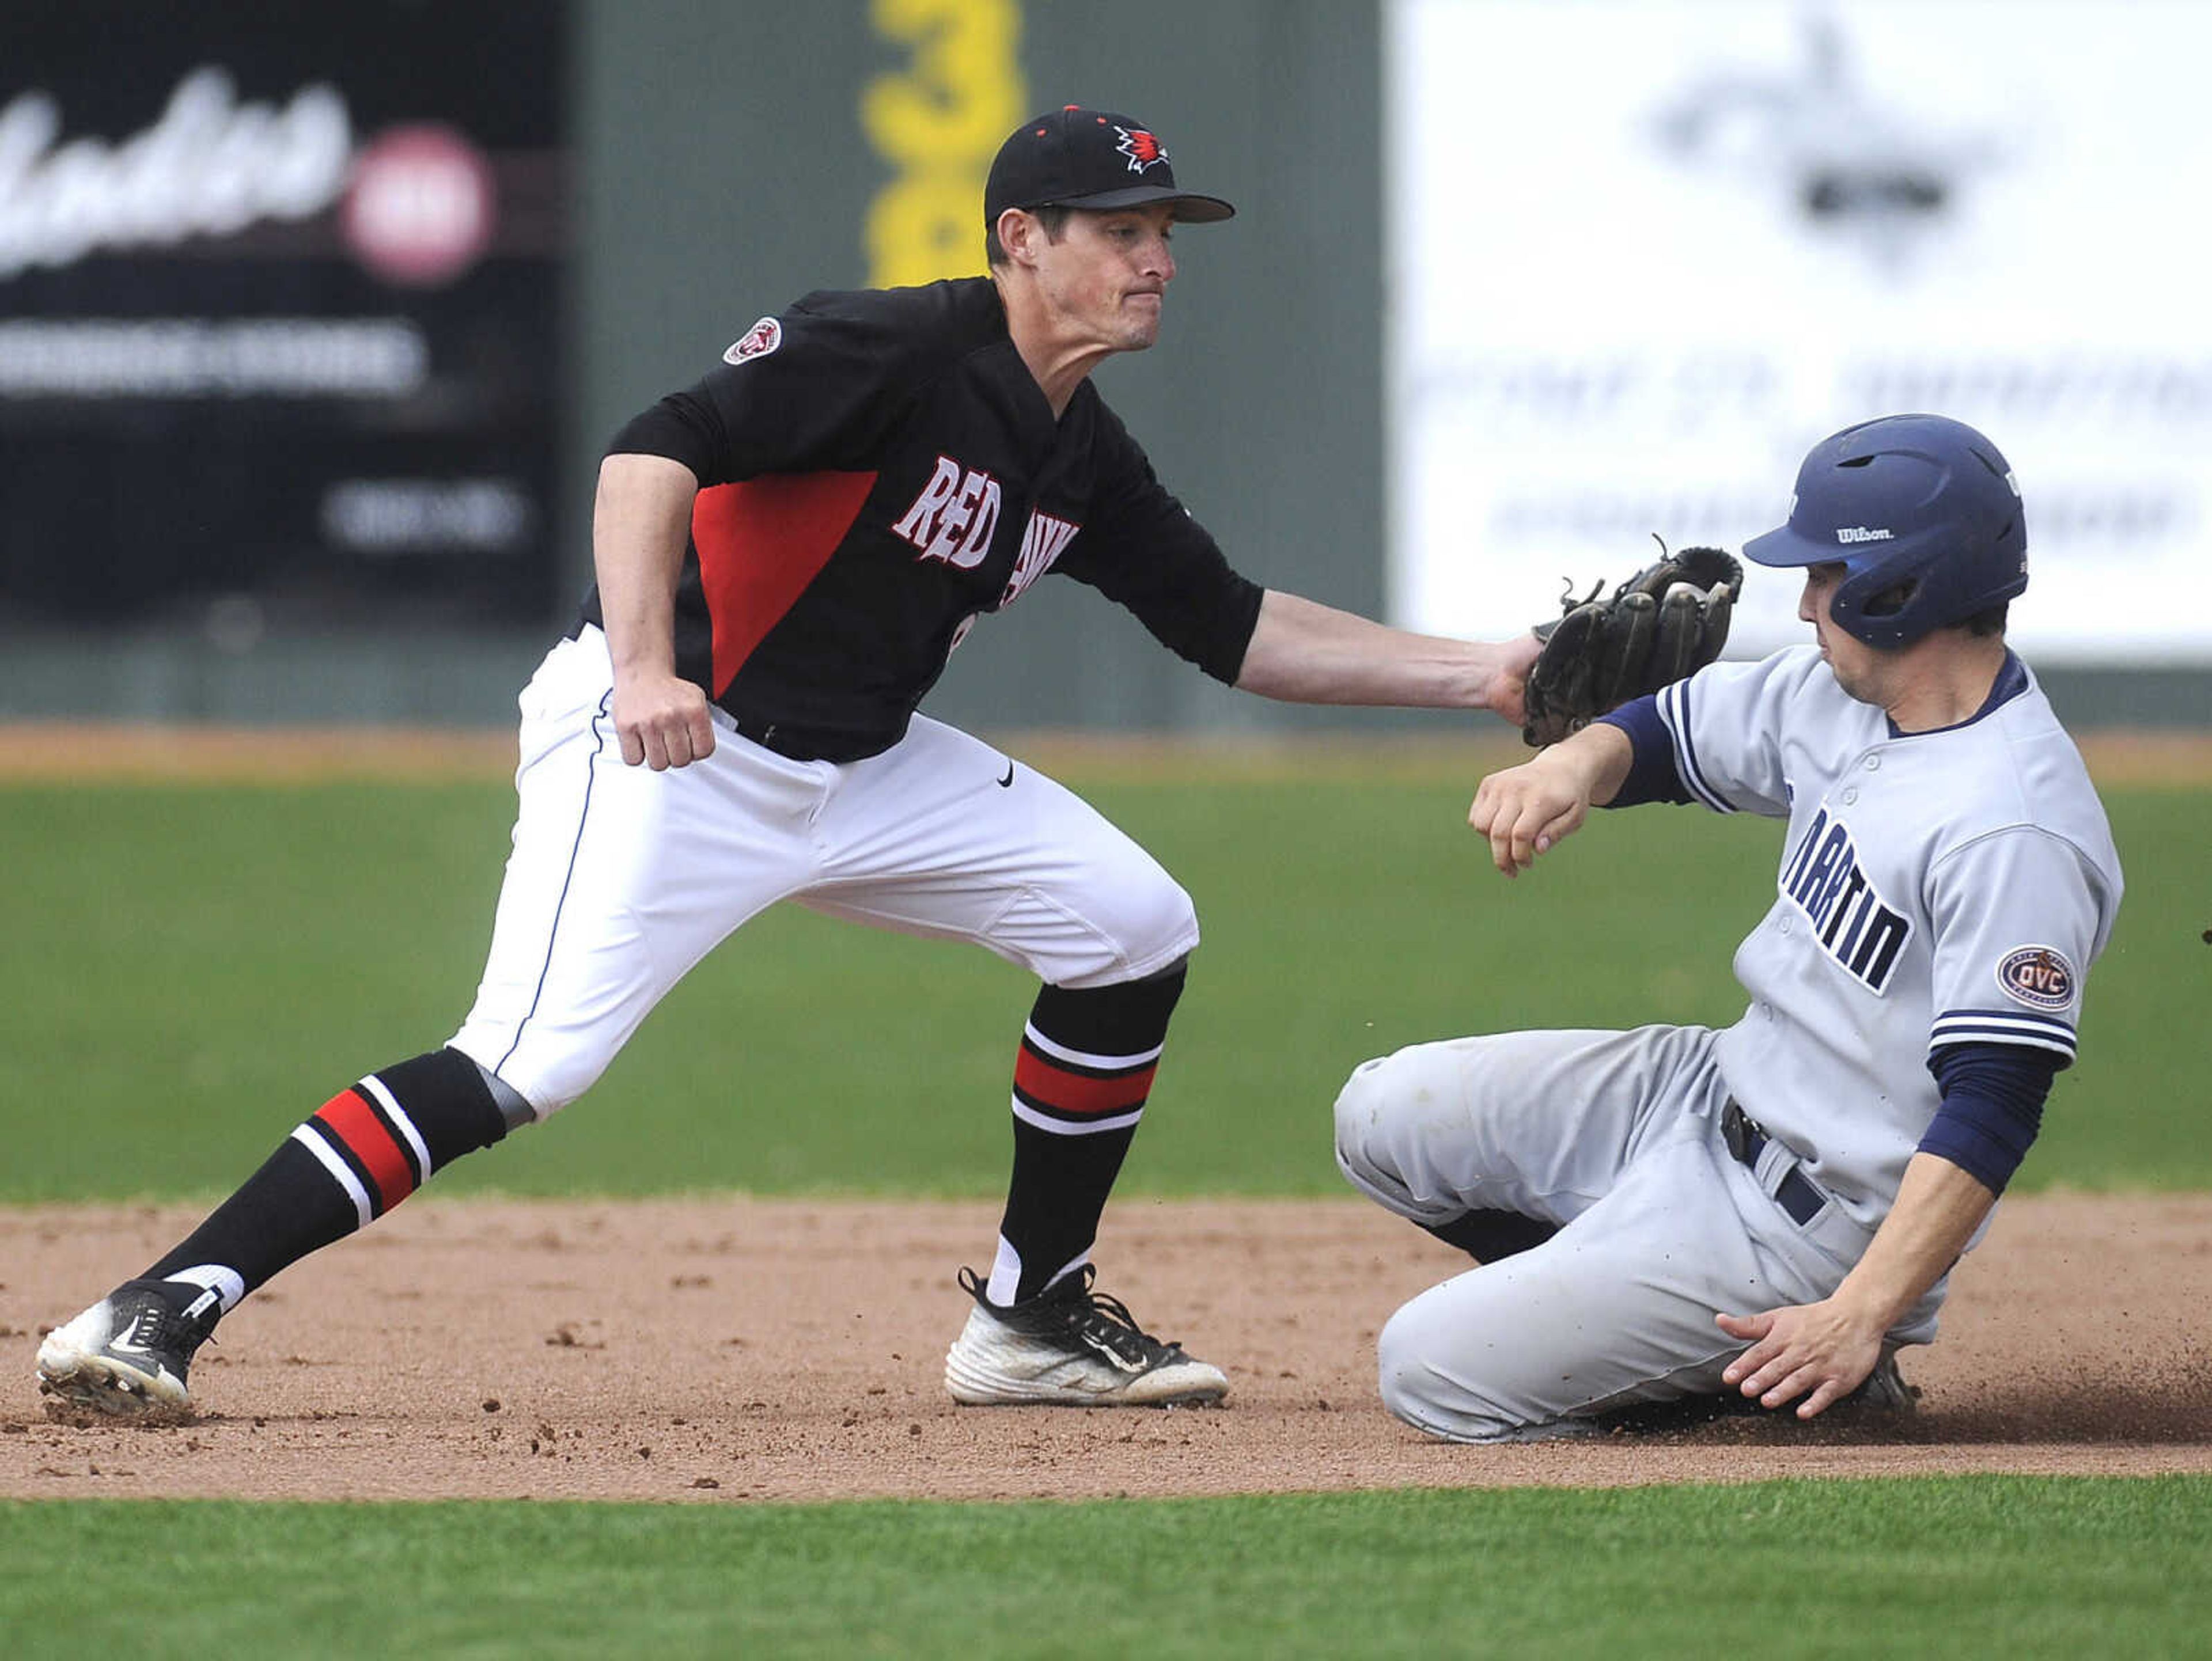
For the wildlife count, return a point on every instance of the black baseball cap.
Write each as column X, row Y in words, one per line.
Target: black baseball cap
column 1080, row 158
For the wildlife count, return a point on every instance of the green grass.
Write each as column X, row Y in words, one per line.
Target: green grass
column 2013, row 1567
column 189, row 971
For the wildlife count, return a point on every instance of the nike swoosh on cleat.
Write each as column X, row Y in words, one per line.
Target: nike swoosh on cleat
column 1006, row 783
column 1106, row 1351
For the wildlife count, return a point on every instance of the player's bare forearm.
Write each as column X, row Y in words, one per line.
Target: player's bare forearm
column 1822, row 1351
column 641, row 523
column 639, row 520
column 1525, row 811
column 1304, row 652
column 1938, row 1207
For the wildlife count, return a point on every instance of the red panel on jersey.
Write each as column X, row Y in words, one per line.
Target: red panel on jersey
column 760, row 541
column 355, row 1122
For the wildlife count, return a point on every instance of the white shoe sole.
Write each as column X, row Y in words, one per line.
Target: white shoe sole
column 989, row 1367
column 77, row 1377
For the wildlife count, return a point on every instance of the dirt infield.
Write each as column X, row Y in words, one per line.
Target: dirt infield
column 736, row 1349
column 58, row 751
column 740, row 1348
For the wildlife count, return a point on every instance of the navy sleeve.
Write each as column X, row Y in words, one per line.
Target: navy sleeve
column 1993, row 1097
column 1651, row 776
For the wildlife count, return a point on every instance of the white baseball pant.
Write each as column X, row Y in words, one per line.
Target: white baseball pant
column 622, row 878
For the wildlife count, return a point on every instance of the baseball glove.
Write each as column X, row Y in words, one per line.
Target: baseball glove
column 1667, row 621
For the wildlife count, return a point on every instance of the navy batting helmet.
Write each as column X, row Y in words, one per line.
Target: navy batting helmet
column 1924, row 515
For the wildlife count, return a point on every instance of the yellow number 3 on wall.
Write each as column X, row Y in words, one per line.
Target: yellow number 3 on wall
column 939, row 122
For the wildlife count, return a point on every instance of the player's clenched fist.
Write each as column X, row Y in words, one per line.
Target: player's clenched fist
column 1524, row 810
column 662, row 721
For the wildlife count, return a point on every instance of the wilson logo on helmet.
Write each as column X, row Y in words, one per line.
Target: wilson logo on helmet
column 1919, row 503
column 1140, row 146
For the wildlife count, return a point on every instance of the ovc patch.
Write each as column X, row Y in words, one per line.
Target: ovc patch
column 2037, row 976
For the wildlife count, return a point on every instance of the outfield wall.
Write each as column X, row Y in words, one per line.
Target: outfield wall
column 382, row 516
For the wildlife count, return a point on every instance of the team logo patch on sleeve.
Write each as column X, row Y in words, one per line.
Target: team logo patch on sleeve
column 758, row 341
column 2037, row 976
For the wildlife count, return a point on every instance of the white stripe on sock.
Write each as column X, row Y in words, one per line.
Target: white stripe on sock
column 1071, row 1127
column 225, row 1283
column 1006, row 1274
column 340, row 1171
column 1085, row 1058
column 404, row 1124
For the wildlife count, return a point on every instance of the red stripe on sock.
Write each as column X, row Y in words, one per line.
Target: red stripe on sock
column 1076, row 1094
column 353, row 1122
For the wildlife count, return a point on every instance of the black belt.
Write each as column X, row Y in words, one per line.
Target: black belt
column 809, row 743
column 768, row 735
column 793, row 743
column 1747, row 1137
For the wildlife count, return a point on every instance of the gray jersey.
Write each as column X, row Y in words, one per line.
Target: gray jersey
column 1938, row 888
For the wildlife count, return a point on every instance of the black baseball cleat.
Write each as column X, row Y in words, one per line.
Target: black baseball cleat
column 127, row 1356
column 1881, row 1393
column 1070, row 1347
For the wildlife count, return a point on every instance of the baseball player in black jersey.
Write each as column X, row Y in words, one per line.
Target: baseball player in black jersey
column 785, row 554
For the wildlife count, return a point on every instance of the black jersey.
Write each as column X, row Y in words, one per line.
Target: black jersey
column 878, row 468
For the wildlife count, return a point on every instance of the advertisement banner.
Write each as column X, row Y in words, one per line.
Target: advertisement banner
column 1644, row 254
column 280, row 314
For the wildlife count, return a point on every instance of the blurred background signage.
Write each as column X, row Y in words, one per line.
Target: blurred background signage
column 1644, row 254
column 280, row 314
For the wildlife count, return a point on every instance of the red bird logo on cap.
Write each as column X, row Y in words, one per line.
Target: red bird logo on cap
column 1140, row 146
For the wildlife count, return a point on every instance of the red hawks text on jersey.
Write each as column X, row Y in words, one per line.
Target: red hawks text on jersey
column 878, row 468
column 954, row 516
